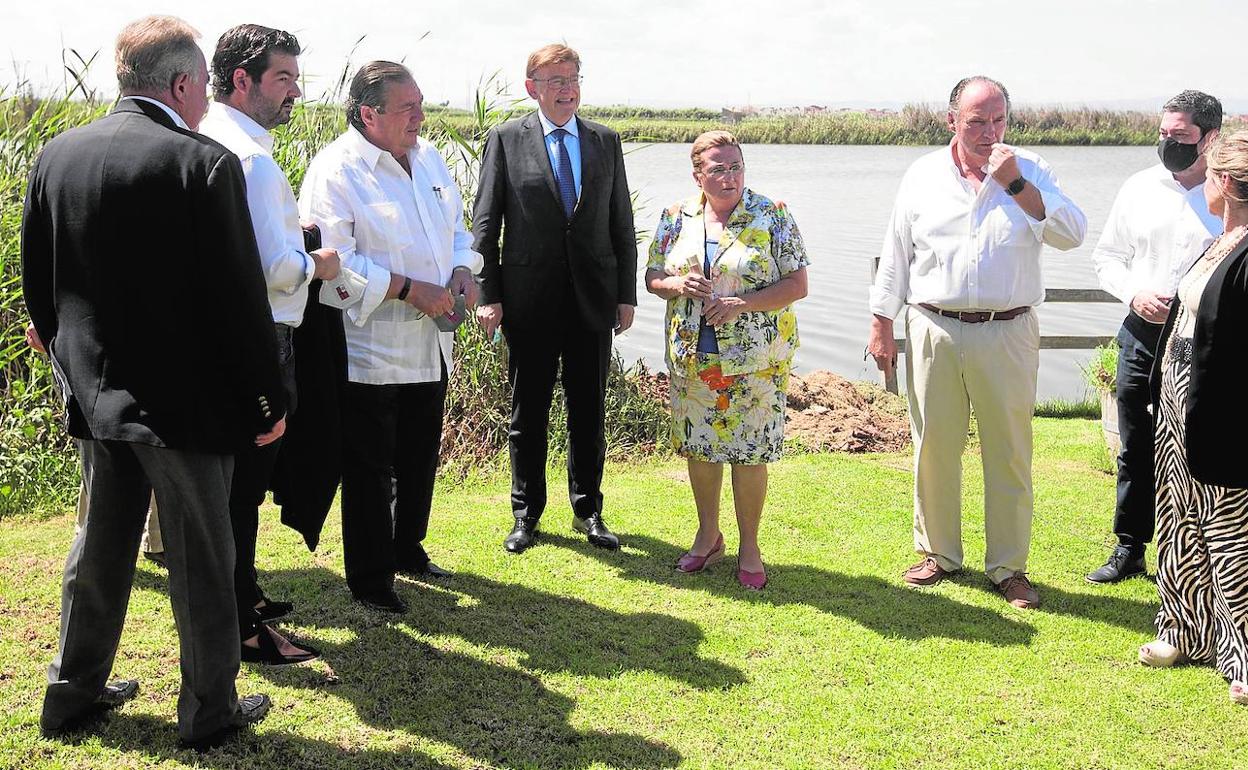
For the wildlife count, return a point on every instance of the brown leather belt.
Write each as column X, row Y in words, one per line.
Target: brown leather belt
column 977, row 316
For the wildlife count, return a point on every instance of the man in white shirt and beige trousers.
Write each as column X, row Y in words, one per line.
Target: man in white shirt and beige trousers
column 386, row 201
column 962, row 258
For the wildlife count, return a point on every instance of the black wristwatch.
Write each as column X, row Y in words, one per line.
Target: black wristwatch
column 407, row 286
column 1015, row 187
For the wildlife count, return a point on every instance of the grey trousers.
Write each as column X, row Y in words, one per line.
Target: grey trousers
column 192, row 490
column 152, row 542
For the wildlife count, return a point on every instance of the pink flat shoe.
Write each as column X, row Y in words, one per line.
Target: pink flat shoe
column 755, row 581
column 689, row 563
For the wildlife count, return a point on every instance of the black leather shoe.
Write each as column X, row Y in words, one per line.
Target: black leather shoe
column 251, row 710
column 386, row 601
column 269, row 654
column 425, row 569
column 1123, row 563
column 113, row 695
column 521, row 536
column 156, row 557
column 595, row 530
column 272, row 610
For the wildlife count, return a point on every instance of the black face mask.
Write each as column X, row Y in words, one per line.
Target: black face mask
column 1175, row 155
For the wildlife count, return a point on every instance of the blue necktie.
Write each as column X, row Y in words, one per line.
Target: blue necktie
column 563, row 173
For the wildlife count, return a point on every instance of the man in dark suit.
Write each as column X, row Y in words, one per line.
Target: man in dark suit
column 140, row 270
column 554, row 193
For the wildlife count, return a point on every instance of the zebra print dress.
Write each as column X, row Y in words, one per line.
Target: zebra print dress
column 1202, row 542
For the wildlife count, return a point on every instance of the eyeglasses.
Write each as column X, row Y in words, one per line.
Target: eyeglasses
column 560, row 83
column 720, row 172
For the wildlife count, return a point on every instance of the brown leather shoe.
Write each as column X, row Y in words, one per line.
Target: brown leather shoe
column 926, row 573
column 1018, row 591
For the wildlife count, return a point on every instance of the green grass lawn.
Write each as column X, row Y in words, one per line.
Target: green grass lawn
column 570, row 657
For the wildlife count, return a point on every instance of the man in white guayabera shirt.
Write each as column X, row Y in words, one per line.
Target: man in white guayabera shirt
column 962, row 257
column 255, row 72
column 1158, row 227
column 386, row 201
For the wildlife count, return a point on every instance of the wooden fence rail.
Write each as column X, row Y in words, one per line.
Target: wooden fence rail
column 1047, row 342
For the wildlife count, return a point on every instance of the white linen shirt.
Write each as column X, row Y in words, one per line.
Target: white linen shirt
column 951, row 247
column 1156, row 230
column 382, row 221
column 571, row 143
column 274, row 214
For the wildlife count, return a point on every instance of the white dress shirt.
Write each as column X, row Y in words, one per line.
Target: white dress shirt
column 957, row 249
column 571, row 143
column 1156, row 229
column 382, row 221
column 274, row 214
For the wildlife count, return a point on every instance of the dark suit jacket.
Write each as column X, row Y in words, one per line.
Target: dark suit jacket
column 1217, row 409
column 544, row 256
column 140, row 269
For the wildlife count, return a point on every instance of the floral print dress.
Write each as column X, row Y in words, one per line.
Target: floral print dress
column 729, row 407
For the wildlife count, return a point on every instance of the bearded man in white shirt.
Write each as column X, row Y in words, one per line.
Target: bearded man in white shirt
column 386, row 201
column 962, row 257
column 255, row 73
column 1159, row 225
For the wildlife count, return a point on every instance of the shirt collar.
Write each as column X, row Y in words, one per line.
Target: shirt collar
column 177, row 119
column 371, row 153
column 246, row 124
column 548, row 126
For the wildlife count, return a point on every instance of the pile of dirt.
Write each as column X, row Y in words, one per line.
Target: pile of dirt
column 828, row 412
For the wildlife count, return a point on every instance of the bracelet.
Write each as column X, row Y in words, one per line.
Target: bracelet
column 407, row 286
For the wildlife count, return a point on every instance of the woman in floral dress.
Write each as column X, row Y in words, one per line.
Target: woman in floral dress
column 730, row 264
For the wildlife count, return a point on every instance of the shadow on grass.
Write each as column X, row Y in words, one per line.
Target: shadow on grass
column 889, row 609
column 554, row 633
column 493, row 713
column 497, row 715
column 143, row 735
column 1131, row 614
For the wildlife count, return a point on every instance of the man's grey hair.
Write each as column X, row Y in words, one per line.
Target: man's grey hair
column 1205, row 110
column 369, row 87
column 154, row 50
column 955, row 96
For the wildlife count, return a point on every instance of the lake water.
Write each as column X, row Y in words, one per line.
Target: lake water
column 841, row 197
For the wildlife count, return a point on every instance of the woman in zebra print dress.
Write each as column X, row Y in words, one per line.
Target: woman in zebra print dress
column 1202, row 493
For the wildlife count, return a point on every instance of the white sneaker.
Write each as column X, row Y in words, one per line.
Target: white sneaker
column 1159, row 654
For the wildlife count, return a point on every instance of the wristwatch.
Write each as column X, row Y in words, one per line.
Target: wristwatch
column 1016, row 187
column 407, row 286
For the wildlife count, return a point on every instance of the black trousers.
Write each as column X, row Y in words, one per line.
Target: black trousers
column 192, row 490
column 1134, row 513
column 534, row 358
column 252, row 469
column 391, row 438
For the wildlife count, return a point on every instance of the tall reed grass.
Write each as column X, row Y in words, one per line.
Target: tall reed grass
column 38, row 467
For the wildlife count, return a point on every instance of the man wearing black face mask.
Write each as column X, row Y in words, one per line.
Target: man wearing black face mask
column 1157, row 228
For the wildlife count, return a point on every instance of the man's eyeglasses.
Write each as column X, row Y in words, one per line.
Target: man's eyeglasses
column 720, row 172
column 560, row 83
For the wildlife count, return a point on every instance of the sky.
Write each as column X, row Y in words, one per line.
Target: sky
column 708, row 53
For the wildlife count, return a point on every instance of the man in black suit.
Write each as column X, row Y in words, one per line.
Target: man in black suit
column 140, row 270
column 553, row 191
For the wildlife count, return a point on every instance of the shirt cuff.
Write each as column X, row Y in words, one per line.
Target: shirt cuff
column 1053, row 203
column 469, row 259
column 309, row 270
column 884, row 304
column 374, row 294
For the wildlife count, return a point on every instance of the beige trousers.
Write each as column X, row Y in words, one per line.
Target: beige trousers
column 953, row 368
